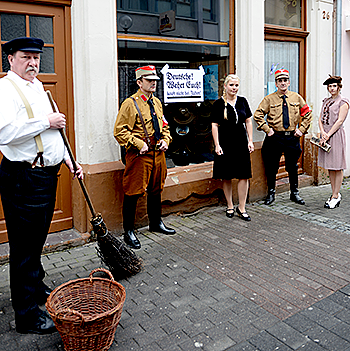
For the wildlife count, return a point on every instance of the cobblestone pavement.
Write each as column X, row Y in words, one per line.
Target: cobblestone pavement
column 279, row 282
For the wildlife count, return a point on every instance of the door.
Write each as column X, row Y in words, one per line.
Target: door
column 283, row 54
column 50, row 24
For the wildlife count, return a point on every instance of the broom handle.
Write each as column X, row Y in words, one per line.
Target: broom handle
column 66, row 143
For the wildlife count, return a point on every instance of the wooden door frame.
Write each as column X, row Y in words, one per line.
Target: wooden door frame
column 296, row 35
column 63, row 97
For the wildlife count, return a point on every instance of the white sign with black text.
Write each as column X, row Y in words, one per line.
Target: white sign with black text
column 183, row 85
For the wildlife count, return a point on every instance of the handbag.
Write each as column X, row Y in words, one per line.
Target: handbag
column 148, row 140
column 316, row 141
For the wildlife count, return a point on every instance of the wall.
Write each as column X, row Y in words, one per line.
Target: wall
column 249, row 46
column 319, row 63
column 345, row 73
column 319, row 55
column 95, row 79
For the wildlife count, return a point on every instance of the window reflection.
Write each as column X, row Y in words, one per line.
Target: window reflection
column 283, row 13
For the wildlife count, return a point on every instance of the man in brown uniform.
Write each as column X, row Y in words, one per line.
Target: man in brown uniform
column 288, row 118
column 145, row 167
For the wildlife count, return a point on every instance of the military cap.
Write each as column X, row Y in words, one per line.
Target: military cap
column 147, row 72
column 281, row 73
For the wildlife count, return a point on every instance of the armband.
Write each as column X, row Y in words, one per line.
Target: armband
column 304, row 110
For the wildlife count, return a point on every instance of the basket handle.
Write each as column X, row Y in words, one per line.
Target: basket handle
column 101, row 270
column 68, row 310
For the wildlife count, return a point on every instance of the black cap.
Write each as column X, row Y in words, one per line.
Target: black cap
column 23, row 44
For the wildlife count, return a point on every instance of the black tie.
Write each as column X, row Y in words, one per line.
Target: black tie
column 285, row 113
column 154, row 119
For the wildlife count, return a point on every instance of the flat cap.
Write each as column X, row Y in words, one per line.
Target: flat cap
column 27, row 44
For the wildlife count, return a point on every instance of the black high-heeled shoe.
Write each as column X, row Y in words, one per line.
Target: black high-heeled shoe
column 230, row 214
column 243, row 215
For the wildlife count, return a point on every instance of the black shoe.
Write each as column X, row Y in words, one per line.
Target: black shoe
column 244, row 215
column 294, row 196
column 161, row 228
column 40, row 324
column 231, row 213
column 270, row 198
column 42, row 296
column 131, row 239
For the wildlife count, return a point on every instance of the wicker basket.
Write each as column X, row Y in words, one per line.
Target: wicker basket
column 86, row 311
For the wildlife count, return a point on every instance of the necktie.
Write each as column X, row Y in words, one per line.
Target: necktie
column 285, row 113
column 154, row 119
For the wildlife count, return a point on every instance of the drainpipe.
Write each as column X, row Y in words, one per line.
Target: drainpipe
column 338, row 38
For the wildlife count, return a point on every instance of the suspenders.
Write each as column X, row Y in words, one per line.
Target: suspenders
column 38, row 140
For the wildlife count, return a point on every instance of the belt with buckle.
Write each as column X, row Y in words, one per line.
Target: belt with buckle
column 286, row 133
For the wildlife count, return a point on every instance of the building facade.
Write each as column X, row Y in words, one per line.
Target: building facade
column 92, row 49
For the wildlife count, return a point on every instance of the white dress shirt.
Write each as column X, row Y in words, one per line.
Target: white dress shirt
column 17, row 131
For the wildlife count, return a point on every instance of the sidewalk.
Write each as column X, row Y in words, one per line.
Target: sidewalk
column 280, row 282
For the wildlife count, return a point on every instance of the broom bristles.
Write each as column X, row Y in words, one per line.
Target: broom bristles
column 120, row 260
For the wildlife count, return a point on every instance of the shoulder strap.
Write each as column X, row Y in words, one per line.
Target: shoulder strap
column 142, row 122
column 38, row 140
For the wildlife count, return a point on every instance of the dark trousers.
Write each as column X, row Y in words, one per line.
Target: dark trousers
column 28, row 199
column 272, row 150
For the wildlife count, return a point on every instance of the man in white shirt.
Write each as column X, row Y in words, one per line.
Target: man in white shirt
column 28, row 178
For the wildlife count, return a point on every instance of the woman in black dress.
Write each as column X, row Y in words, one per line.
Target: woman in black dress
column 233, row 138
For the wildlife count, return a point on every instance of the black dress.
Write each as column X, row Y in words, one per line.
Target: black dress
column 233, row 139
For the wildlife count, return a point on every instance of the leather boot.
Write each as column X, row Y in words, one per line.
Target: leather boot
column 270, row 198
column 129, row 212
column 154, row 210
column 130, row 239
column 294, row 196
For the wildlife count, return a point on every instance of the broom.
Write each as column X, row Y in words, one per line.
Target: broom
column 121, row 261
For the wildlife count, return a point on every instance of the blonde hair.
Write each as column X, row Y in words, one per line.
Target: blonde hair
column 227, row 79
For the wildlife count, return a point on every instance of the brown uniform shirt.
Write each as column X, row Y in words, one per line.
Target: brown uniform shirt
column 128, row 129
column 300, row 115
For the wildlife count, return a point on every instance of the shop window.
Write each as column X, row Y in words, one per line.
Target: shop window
column 14, row 25
column 285, row 13
column 190, row 123
column 281, row 54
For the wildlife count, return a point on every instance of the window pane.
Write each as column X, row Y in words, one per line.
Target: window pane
column 207, row 4
column 133, row 5
column 278, row 55
column 5, row 63
column 47, row 61
column 184, row 8
column 283, row 13
column 41, row 27
column 209, row 10
column 163, row 5
column 12, row 26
